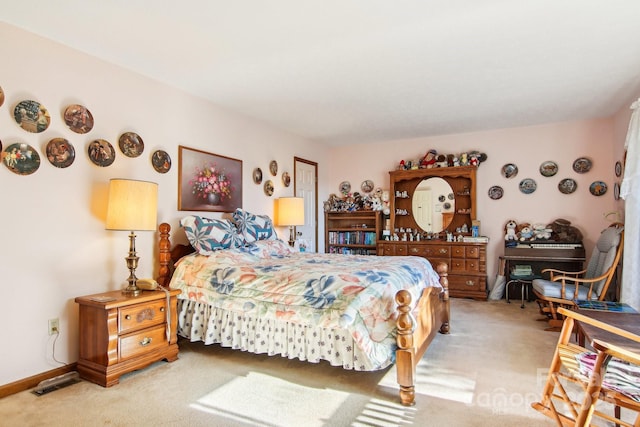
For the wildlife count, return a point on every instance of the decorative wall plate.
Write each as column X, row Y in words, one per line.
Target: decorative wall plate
column 345, row 187
column 1, row 96
column 367, row 186
column 257, row 176
column 60, row 153
column 528, row 186
column 618, row 168
column 0, row 146
column 268, row 188
column 21, row 158
column 567, row 186
column 582, row 165
column 496, row 192
column 548, row 168
column 131, row 144
column 509, row 170
column 286, row 179
column 161, row 161
column 31, row 116
column 101, row 152
column 273, row 167
column 616, row 191
column 598, row 188
column 78, row 118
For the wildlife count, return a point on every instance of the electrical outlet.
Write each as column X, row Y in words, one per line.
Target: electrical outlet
column 54, row 326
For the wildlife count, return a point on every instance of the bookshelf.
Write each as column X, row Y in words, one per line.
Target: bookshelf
column 353, row 233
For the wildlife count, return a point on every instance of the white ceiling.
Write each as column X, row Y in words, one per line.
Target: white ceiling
column 354, row 71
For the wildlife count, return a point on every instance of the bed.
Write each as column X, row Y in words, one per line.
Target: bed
column 244, row 288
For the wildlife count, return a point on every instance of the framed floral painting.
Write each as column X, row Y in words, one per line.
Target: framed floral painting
column 208, row 182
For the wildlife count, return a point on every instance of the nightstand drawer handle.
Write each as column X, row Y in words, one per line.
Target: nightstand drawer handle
column 145, row 341
column 128, row 317
column 161, row 309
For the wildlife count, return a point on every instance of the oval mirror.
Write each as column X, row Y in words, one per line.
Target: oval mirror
column 433, row 204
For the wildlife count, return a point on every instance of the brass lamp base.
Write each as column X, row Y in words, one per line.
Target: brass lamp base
column 292, row 236
column 132, row 263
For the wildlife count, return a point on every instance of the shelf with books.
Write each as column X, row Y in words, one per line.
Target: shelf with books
column 352, row 232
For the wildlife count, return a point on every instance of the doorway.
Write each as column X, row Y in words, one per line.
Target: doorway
column 305, row 185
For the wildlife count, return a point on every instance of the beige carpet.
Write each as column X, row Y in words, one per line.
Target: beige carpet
column 485, row 373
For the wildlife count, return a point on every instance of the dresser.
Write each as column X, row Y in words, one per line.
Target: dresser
column 120, row 334
column 467, row 262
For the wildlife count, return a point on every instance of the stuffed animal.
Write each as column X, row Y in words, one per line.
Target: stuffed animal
column 526, row 232
column 541, row 232
column 563, row 231
column 510, row 230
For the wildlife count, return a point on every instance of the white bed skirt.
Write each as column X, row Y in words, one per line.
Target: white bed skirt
column 197, row 321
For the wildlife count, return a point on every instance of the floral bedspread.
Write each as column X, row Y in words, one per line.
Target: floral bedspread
column 351, row 292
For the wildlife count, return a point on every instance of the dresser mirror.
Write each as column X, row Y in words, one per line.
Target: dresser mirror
column 433, row 204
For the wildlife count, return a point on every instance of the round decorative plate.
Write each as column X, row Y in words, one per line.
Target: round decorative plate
column 528, row 186
column 1, row 96
column 20, row 158
column 496, row 192
column 567, row 186
column 101, row 152
column 60, row 153
column 618, row 167
column 273, row 167
column 367, row 186
column 131, row 144
column 78, row 118
column 257, row 176
column 509, row 170
column 268, row 188
column 598, row 188
column 345, row 187
column 286, row 179
column 582, row 165
column 548, row 168
column 31, row 116
column 616, row 191
column 0, row 146
column 161, row 161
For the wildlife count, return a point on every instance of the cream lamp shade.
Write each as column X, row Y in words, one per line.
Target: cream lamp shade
column 289, row 211
column 133, row 205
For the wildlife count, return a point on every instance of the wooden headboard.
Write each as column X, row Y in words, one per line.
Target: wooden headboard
column 167, row 255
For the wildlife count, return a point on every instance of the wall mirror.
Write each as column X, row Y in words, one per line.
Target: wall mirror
column 433, row 204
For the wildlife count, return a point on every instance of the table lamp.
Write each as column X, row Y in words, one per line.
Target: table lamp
column 132, row 206
column 290, row 212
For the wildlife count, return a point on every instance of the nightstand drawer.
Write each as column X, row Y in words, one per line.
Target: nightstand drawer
column 141, row 316
column 142, row 342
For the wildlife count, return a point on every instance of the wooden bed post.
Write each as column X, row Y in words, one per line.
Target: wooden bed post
column 164, row 254
column 413, row 337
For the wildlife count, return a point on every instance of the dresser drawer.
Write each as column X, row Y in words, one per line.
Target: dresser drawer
column 142, row 342
column 472, row 252
column 467, row 283
column 141, row 316
column 430, row 251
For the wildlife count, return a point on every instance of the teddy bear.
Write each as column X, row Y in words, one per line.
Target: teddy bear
column 541, row 232
column 526, row 232
column 563, row 231
column 510, row 230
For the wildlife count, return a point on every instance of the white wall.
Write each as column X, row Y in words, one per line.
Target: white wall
column 527, row 147
column 54, row 245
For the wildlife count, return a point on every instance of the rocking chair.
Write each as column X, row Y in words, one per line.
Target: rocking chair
column 564, row 288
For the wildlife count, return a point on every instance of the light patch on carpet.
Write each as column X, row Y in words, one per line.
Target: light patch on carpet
column 259, row 399
column 437, row 382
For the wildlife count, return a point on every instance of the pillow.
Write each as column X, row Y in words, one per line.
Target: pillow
column 269, row 248
column 207, row 235
column 253, row 227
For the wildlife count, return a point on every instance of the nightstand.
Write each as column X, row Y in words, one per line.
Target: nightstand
column 120, row 334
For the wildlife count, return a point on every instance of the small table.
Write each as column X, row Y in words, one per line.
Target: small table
column 627, row 321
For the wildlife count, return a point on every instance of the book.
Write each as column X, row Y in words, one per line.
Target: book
column 613, row 306
column 475, row 239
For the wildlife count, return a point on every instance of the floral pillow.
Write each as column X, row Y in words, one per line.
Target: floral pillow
column 269, row 248
column 253, row 227
column 207, row 235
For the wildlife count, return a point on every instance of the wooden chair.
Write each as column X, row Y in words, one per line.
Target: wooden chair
column 597, row 382
column 563, row 287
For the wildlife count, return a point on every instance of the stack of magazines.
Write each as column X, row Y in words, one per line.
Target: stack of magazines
column 522, row 270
